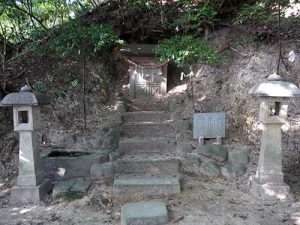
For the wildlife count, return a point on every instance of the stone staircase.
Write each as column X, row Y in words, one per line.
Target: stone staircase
column 148, row 168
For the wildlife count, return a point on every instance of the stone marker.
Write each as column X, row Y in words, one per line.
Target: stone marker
column 209, row 125
column 144, row 213
column 273, row 95
column 31, row 186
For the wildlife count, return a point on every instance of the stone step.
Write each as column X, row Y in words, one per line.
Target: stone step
column 147, row 145
column 146, row 116
column 143, row 213
column 148, row 104
column 148, row 129
column 147, row 164
column 130, row 188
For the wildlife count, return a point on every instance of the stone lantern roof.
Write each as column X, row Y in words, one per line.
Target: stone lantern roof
column 26, row 96
column 275, row 87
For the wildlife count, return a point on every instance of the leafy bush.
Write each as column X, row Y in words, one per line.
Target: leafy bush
column 253, row 14
column 192, row 18
column 74, row 39
column 185, row 50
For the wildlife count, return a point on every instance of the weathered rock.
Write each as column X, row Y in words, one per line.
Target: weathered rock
column 2, row 169
column 110, row 137
column 104, row 170
column 233, row 170
column 62, row 187
column 115, row 155
column 216, row 152
column 116, row 118
column 144, row 213
column 190, row 166
column 240, row 156
column 181, row 126
column 210, row 169
column 81, row 186
column 177, row 115
column 61, row 138
column 184, row 148
column 181, row 137
column 175, row 103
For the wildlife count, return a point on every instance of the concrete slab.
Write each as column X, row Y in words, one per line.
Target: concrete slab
column 126, row 188
column 147, row 163
column 144, row 213
column 147, row 145
column 148, row 129
column 146, row 116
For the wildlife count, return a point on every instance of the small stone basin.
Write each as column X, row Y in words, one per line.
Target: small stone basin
column 64, row 164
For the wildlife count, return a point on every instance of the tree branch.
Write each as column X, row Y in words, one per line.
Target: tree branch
column 29, row 14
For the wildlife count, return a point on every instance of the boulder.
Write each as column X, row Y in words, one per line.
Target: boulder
column 104, row 170
column 62, row 138
column 210, row 169
column 115, row 155
column 190, row 165
column 240, row 156
column 81, row 186
column 183, row 148
column 2, row 169
column 110, row 137
column 216, row 152
column 233, row 170
column 62, row 187
column 175, row 103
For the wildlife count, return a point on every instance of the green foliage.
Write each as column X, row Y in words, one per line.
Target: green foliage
column 243, row 42
column 44, row 84
column 141, row 3
column 192, row 17
column 253, row 13
column 185, row 50
column 73, row 80
column 21, row 19
column 76, row 40
column 203, row 14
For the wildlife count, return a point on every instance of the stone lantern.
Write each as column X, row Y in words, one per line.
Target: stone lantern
column 31, row 186
column 273, row 96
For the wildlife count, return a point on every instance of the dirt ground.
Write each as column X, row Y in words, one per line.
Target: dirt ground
column 202, row 201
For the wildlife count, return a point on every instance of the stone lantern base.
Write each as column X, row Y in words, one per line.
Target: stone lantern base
column 30, row 194
column 270, row 191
